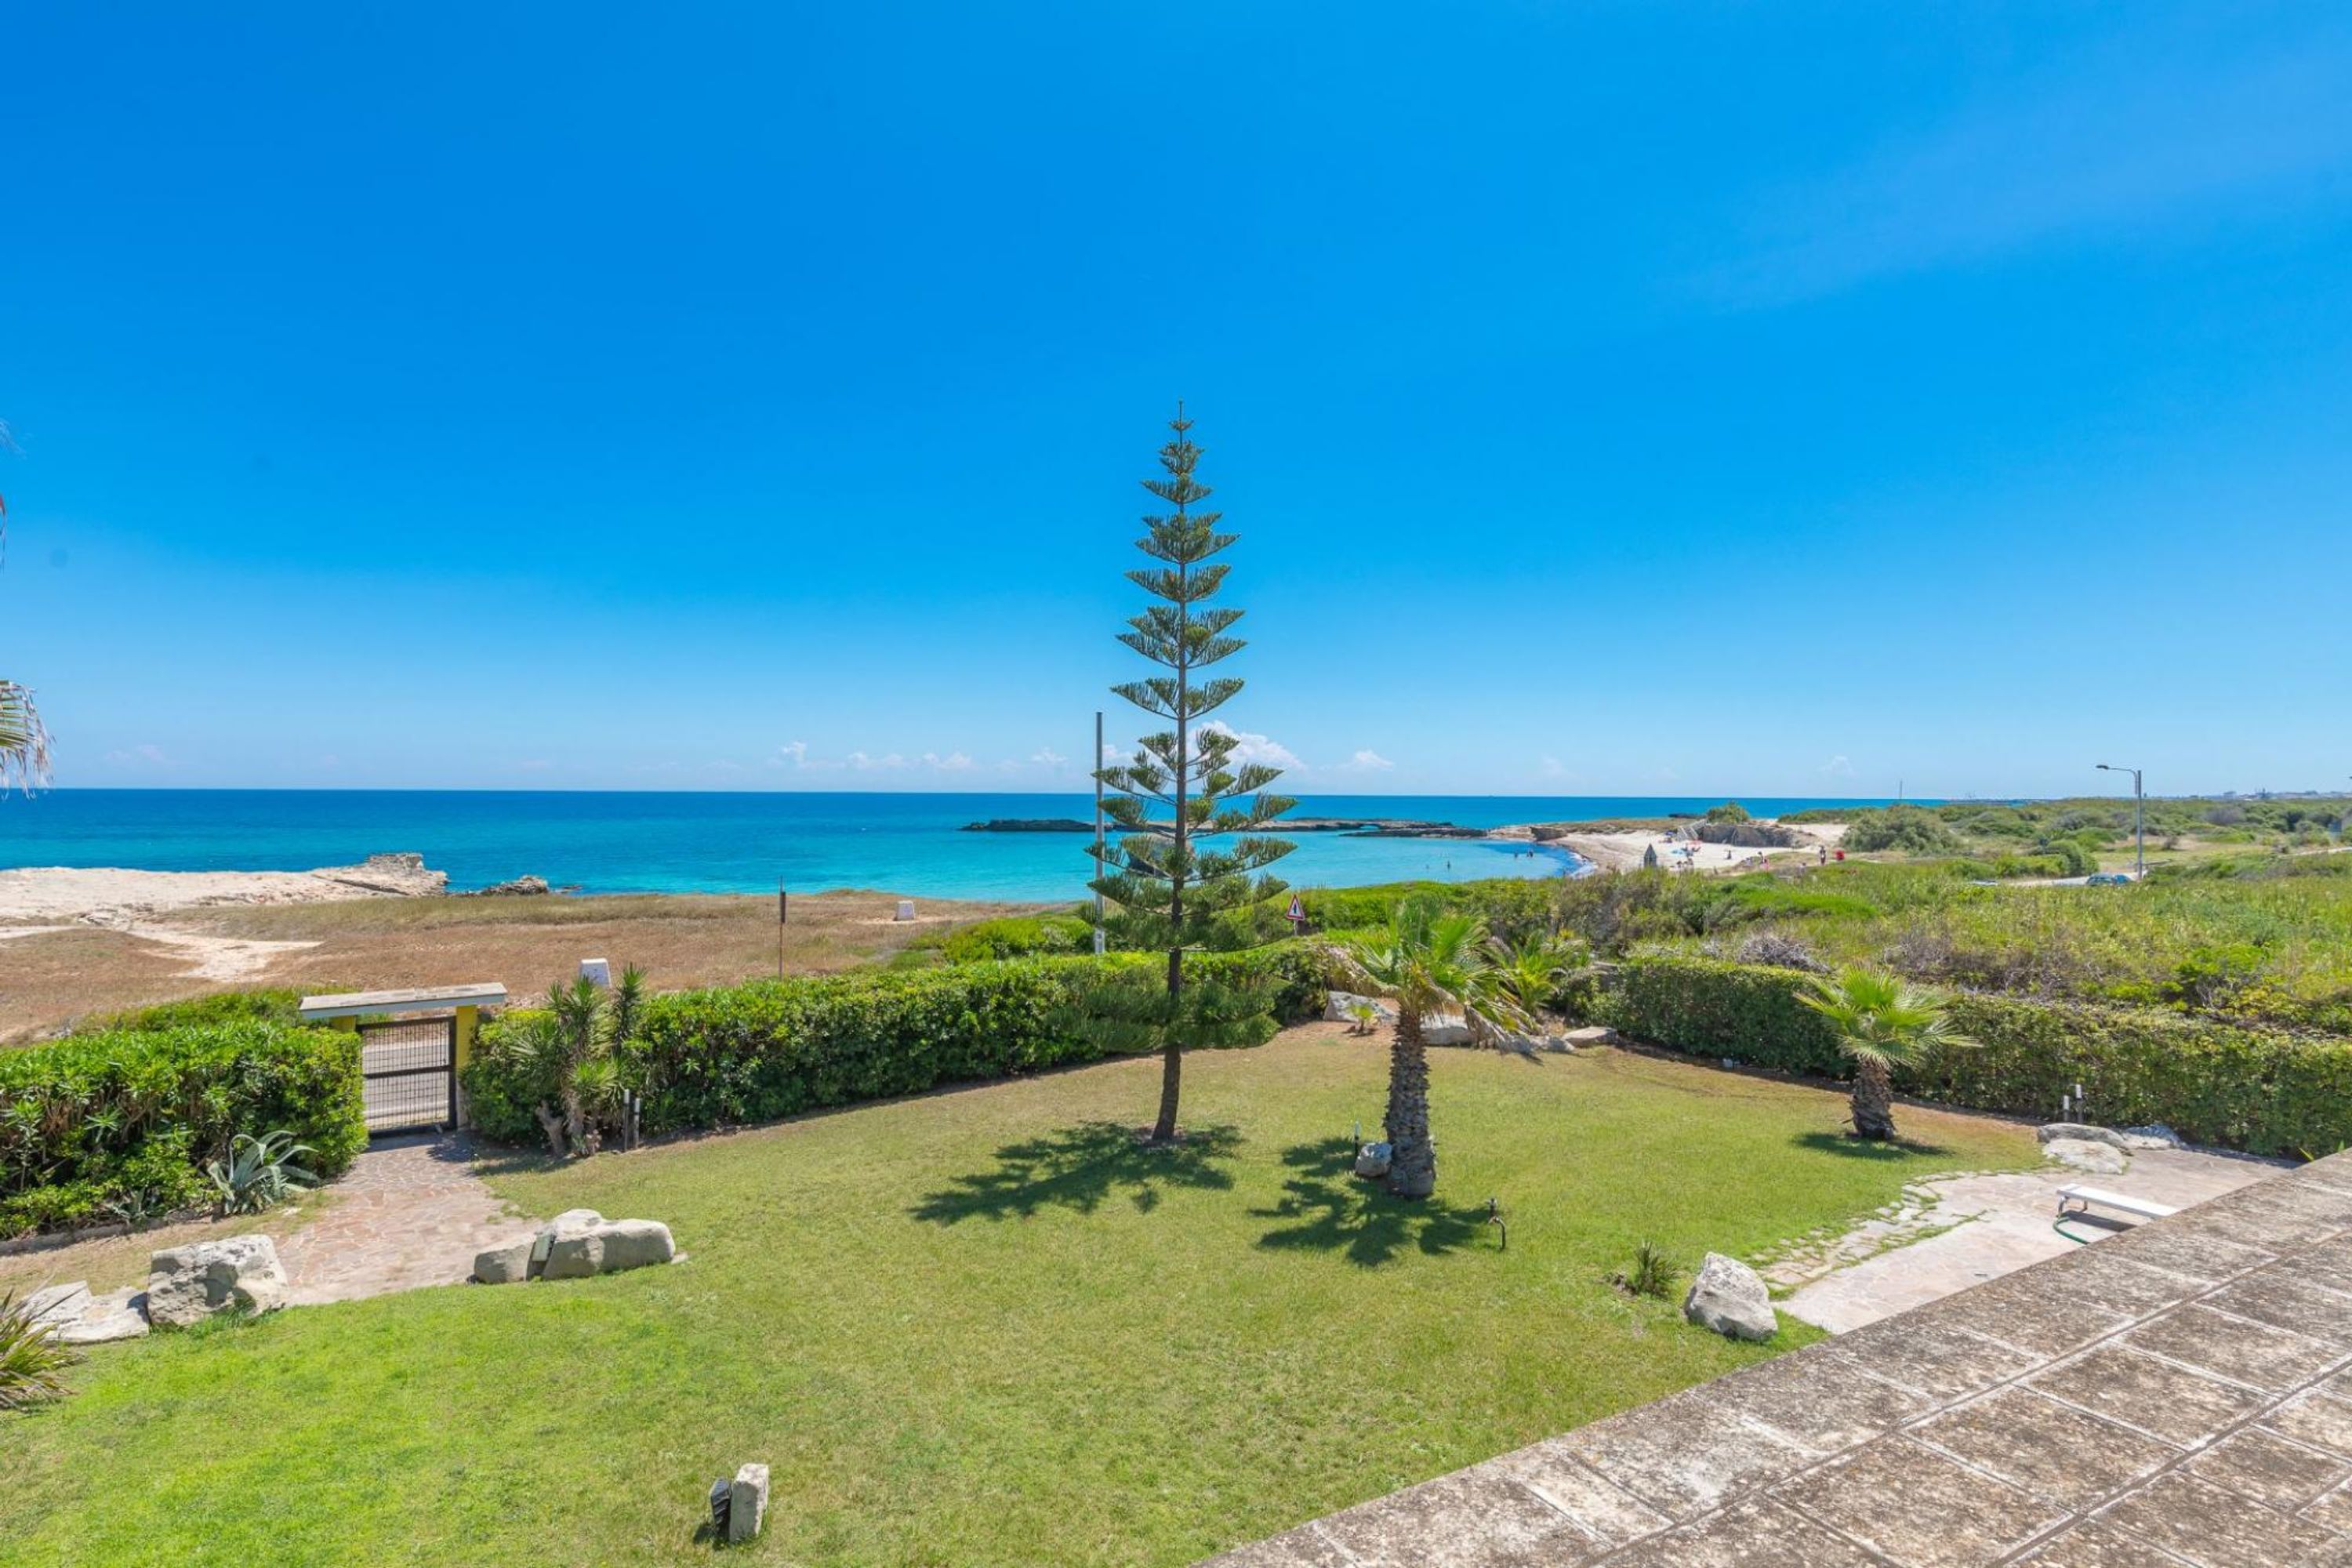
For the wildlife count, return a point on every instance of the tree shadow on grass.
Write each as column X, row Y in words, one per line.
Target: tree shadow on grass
column 1082, row 1167
column 1847, row 1146
column 1328, row 1210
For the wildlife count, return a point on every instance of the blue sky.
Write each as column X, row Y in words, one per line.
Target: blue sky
column 1610, row 398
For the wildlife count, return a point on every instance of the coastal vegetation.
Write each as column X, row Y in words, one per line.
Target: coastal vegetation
column 966, row 1328
column 1182, row 875
column 133, row 1119
column 1880, row 1024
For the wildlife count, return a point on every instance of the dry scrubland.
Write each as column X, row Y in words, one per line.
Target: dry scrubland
column 49, row 979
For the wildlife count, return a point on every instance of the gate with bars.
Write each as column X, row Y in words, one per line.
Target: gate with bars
column 408, row 1069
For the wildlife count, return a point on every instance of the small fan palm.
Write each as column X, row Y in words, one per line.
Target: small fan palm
column 1882, row 1022
column 1536, row 969
column 1428, row 961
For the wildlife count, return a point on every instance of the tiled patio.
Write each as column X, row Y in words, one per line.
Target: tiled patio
column 2176, row 1394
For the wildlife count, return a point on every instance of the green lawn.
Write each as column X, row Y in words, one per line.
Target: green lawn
column 982, row 1328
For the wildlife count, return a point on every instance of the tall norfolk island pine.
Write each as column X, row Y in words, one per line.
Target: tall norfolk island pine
column 1182, row 788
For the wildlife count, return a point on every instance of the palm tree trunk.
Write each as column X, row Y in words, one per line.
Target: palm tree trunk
column 1874, row 1102
column 1412, row 1158
column 1408, row 1027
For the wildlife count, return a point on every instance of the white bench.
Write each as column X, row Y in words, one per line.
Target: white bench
column 2083, row 1198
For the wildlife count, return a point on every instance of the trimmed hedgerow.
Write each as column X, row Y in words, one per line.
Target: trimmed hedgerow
column 2231, row 1085
column 734, row 1055
column 129, row 1116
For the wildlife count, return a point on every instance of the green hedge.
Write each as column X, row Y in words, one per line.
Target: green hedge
column 2233, row 1085
column 733, row 1055
column 94, row 1119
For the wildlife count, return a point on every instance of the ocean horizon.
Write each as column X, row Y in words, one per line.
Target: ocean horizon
column 613, row 841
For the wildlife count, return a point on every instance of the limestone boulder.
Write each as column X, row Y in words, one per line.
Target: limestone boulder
column 2092, row 1157
column 1592, row 1035
column 1731, row 1298
column 188, row 1284
column 1340, row 1008
column 75, row 1317
column 503, row 1265
column 2079, row 1132
column 581, row 1243
column 1441, row 1030
column 1373, row 1161
column 2156, row 1135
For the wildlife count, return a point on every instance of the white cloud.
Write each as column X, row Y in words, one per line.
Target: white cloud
column 1366, row 760
column 953, row 763
column 150, row 755
column 864, row 763
column 1838, row 767
column 1045, row 756
column 1252, row 747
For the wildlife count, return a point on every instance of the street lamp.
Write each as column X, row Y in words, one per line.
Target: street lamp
column 2139, row 818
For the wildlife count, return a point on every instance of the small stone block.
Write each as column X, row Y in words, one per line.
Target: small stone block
column 747, row 1507
column 504, row 1265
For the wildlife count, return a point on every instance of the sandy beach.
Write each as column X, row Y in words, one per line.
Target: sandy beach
column 1624, row 850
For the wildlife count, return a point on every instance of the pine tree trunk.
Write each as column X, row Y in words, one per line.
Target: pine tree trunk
column 1172, row 1080
column 1412, row 1158
column 1874, row 1102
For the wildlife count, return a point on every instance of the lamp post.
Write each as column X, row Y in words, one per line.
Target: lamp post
column 2139, row 818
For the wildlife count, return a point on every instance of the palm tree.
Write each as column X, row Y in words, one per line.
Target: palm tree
column 1882, row 1022
column 1536, row 969
column 24, row 743
column 1427, row 961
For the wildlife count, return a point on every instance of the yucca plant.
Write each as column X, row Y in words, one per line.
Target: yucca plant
column 1882, row 1022
column 32, row 1359
column 1654, row 1274
column 1428, row 961
column 259, row 1172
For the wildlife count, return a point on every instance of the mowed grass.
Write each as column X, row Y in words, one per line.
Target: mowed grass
column 982, row 1327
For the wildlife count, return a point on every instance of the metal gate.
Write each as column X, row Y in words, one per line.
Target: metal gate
column 409, row 1073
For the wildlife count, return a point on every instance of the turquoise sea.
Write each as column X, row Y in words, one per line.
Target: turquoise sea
column 618, row 842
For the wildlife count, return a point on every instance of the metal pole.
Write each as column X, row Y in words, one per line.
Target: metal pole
column 1096, row 770
column 784, row 917
column 2139, row 827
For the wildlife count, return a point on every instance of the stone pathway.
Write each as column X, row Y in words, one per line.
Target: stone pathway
column 1977, row 1228
column 409, row 1213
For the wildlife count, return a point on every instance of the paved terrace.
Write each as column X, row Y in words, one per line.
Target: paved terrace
column 2177, row 1394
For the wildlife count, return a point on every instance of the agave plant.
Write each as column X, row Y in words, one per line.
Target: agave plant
column 32, row 1359
column 259, row 1173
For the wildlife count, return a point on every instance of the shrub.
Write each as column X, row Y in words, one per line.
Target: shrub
column 1910, row 828
column 2238, row 1086
column 1018, row 936
column 264, row 1006
column 732, row 1055
column 130, row 1117
column 1729, row 811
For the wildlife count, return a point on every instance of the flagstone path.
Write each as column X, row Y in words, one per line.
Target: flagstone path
column 409, row 1213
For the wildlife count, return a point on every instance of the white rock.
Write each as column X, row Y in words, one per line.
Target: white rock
column 1372, row 1160
column 1593, row 1035
column 2156, row 1135
column 117, row 1315
column 1444, row 1031
column 747, row 1503
column 607, row 1247
column 2097, row 1159
column 55, row 1304
column 186, row 1284
column 1730, row 1297
column 2079, row 1132
column 504, row 1265
column 1339, row 1008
